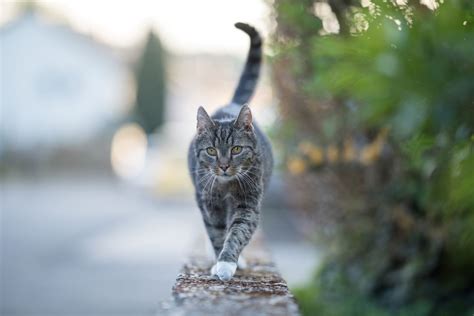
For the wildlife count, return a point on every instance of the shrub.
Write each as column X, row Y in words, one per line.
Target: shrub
column 389, row 101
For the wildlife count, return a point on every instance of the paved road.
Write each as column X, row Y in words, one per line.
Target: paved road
column 79, row 246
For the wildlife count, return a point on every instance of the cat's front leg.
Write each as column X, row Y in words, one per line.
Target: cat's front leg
column 243, row 223
column 216, row 233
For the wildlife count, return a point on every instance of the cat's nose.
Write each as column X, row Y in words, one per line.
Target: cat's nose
column 224, row 167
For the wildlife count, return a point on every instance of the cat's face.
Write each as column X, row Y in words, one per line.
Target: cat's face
column 225, row 148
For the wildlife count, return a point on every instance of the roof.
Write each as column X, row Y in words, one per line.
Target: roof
column 47, row 21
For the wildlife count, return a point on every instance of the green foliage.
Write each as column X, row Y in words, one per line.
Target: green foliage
column 411, row 70
column 415, row 77
column 151, row 85
column 330, row 294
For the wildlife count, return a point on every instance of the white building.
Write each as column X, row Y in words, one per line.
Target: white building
column 57, row 87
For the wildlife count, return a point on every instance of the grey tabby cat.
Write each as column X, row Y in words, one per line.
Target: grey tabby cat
column 230, row 161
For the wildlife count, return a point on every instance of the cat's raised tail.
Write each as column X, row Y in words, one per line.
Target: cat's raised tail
column 249, row 77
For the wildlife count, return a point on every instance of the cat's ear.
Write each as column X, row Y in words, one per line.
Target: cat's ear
column 244, row 120
column 204, row 122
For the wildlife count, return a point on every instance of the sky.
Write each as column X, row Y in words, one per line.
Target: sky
column 184, row 26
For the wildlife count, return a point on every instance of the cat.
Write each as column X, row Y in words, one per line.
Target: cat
column 230, row 161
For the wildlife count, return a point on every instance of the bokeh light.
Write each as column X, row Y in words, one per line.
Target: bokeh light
column 128, row 151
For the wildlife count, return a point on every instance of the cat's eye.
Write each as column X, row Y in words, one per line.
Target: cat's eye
column 236, row 150
column 211, row 151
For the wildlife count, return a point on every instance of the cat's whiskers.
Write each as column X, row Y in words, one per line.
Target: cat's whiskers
column 204, row 178
column 254, row 171
column 199, row 171
column 209, row 180
column 258, row 171
column 249, row 181
column 242, row 187
column 250, row 186
column 254, row 184
column 201, row 178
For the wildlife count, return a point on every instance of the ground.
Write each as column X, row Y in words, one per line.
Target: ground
column 84, row 245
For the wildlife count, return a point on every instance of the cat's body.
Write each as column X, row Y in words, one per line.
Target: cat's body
column 230, row 162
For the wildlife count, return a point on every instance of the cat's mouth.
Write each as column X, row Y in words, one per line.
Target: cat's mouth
column 225, row 175
column 224, row 178
column 229, row 173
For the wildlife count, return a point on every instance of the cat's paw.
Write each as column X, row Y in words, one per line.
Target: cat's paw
column 214, row 270
column 242, row 263
column 224, row 270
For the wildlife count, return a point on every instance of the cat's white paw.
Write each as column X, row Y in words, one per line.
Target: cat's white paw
column 242, row 263
column 214, row 270
column 224, row 270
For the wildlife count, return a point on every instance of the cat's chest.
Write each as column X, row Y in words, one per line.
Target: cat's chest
column 228, row 197
column 225, row 193
column 220, row 202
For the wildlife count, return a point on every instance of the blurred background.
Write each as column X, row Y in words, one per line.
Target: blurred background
column 98, row 107
column 369, row 105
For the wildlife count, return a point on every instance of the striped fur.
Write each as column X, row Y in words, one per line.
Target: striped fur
column 248, row 79
column 229, row 186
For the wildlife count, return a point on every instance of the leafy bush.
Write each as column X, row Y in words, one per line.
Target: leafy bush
column 401, row 207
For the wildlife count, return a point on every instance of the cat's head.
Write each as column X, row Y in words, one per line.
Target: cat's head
column 227, row 147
